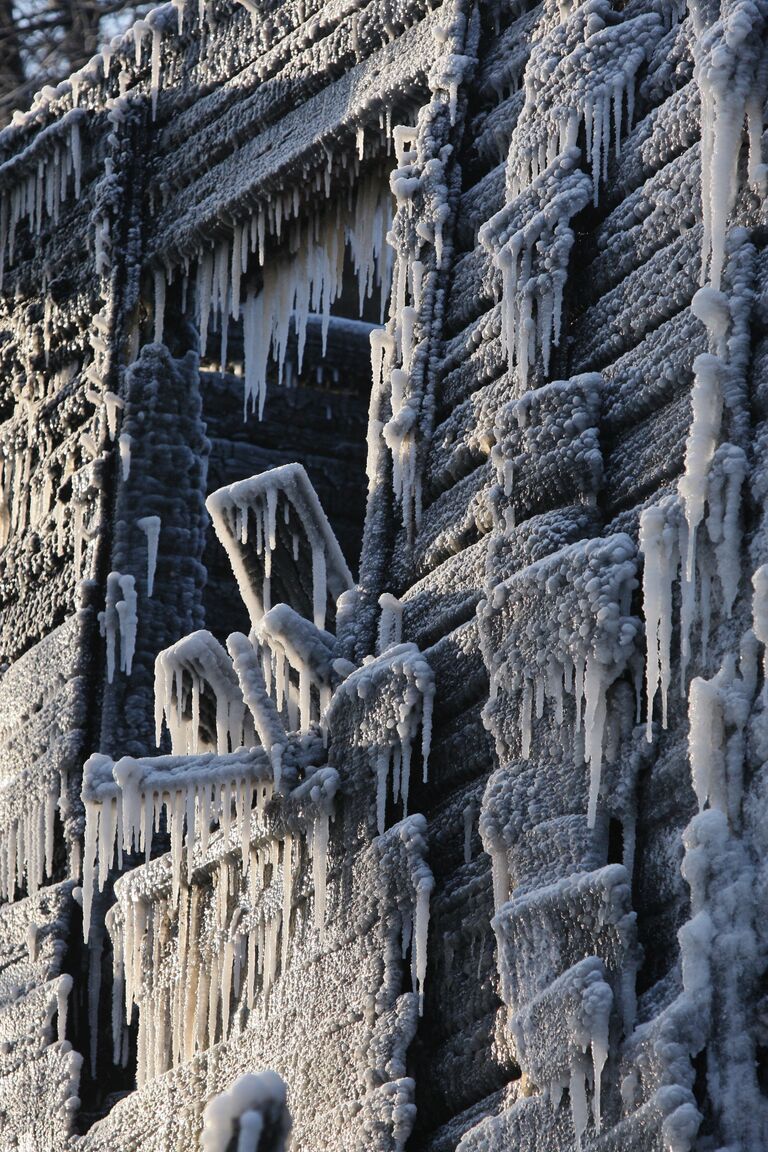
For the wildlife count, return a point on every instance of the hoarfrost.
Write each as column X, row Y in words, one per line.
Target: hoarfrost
column 393, row 695
column 254, row 1108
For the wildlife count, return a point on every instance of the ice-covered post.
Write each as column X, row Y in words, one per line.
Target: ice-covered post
column 159, row 572
column 425, row 187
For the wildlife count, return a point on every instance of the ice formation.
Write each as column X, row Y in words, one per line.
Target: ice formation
column 400, row 412
column 191, row 672
column 126, row 801
column 592, row 647
column 307, row 281
column 709, row 492
column 530, row 241
column 29, row 818
column 559, row 211
column 266, row 718
column 254, row 1109
column 392, row 696
column 402, row 849
column 119, row 622
column 582, row 71
column 230, row 953
column 730, row 72
column 581, row 74
column 253, row 517
column 150, row 526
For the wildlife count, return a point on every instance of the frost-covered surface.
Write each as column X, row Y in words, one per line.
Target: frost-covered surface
column 550, row 220
column 381, row 708
column 36, row 1062
column 208, row 940
column 42, row 719
column 254, row 939
column 253, row 1110
column 162, row 415
column 281, row 506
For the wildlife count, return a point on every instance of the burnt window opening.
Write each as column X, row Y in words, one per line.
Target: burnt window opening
column 315, row 411
column 615, row 841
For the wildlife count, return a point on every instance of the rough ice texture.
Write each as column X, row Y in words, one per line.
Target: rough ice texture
column 551, row 221
column 254, row 1110
column 162, row 414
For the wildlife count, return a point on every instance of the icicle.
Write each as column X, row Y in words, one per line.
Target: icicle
column 405, row 762
column 579, row 1107
column 155, row 70
column 500, row 876
column 287, row 896
column 126, row 610
column 319, row 583
column 150, row 526
column 382, row 775
column 655, row 544
column 760, row 605
column 76, row 154
column 112, row 404
column 179, row 5
column 124, row 444
column 727, row 536
column 706, row 743
column 420, row 934
column 595, row 687
column 390, row 622
column 110, row 621
column 526, row 710
column 159, row 281
column 707, row 404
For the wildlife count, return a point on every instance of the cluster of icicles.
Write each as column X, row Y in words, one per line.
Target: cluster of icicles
column 589, row 1000
column 393, row 348
column 531, row 241
column 120, row 619
column 581, row 71
column 247, row 518
column 126, row 49
column 184, row 673
column 396, row 690
column 718, row 709
column 226, row 943
column 43, row 176
column 732, row 79
column 124, row 802
column 402, row 853
column 306, row 280
column 594, row 641
column 223, row 954
column 119, row 622
column 248, row 686
column 22, row 502
column 219, row 951
column 709, row 495
column 52, row 171
column 253, row 518
column 244, row 703
column 28, row 827
column 28, row 493
column 420, row 185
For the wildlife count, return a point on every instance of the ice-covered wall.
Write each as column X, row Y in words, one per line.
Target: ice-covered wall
column 467, row 846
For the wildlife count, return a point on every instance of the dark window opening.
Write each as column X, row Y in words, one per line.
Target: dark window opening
column 615, row 841
column 317, row 416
